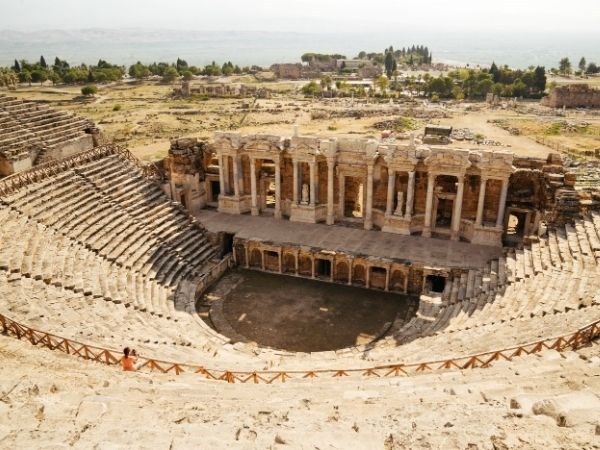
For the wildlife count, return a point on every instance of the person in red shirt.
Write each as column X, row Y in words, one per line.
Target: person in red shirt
column 128, row 360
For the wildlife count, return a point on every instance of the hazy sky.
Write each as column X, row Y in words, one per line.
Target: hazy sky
column 582, row 16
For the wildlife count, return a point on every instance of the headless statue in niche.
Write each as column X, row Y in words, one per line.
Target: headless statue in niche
column 304, row 194
column 399, row 202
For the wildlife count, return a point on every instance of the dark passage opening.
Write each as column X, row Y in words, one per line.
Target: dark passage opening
column 323, row 268
column 227, row 243
column 436, row 283
column 215, row 190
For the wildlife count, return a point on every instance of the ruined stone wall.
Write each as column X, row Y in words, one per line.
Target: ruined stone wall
column 573, row 96
column 287, row 71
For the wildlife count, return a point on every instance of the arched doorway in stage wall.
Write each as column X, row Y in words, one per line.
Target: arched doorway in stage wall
column 341, row 272
column 255, row 258
column 444, row 194
column 353, row 197
column 359, row 275
column 289, row 263
column 266, row 186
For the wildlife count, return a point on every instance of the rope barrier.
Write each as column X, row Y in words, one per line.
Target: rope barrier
column 574, row 340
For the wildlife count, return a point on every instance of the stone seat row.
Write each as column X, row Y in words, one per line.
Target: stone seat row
column 534, row 288
column 489, row 337
column 115, row 232
column 45, row 255
column 81, row 316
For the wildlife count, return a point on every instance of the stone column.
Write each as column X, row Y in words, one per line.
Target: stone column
column 389, row 207
column 317, row 199
column 368, row 277
column 254, row 209
column 296, row 262
column 332, row 262
column 262, row 258
column 387, row 279
column 236, row 175
column 481, row 201
column 369, row 206
column 341, row 194
column 313, row 183
column 280, row 269
column 502, row 204
column 410, row 195
column 312, row 266
column 350, row 270
column 226, row 175
column 296, row 181
column 246, row 255
column 457, row 210
column 330, row 167
column 428, row 205
column 278, row 188
column 222, row 175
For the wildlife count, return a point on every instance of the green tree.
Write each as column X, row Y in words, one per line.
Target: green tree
column 170, row 75
column 227, row 68
column 39, row 76
column 187, row 75
column 89, row 90
column 539, row 79
column 582, row 64
column 564, row 66
column 382, row 83
column 43, row 62
column 54, row 77
column 8, row 78
column 495, row 73
column 592, row 68
column 326, row 83
column 16, row 66
column 25, row 76
column 310, row 89
column 181, row 65
column 139, row 71
column 389, row 63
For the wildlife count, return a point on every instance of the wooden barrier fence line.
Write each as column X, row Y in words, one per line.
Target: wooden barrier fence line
column 37, row 173
column 574, row 340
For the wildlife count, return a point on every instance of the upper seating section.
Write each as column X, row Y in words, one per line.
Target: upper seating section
column 34, row 129
column 558, row 274
column 102, row 228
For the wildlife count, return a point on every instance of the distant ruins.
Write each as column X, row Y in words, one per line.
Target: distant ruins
column 221, row 90
column 573, row 96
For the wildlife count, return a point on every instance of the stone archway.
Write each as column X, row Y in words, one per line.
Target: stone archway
column 288, row 263
column 359, row 275
column 341, row 272
column 255, row 258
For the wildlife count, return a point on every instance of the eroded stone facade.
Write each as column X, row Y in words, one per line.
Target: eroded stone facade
column 473, row 195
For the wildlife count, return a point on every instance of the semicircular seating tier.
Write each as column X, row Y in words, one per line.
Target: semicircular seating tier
column 95, row 251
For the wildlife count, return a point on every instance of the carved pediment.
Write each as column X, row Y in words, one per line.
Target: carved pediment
column 495, row 164
column 451, row 162
column 400, row 158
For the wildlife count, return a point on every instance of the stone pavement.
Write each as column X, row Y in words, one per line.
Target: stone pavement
column 416, row 249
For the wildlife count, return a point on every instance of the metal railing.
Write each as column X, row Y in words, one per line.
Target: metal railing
column 573, row 340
